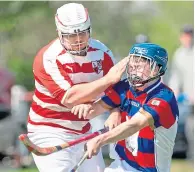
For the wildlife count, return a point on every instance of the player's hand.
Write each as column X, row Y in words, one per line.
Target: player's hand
column 115, row 73
column 82, row 111
column 93, row 146
column 114, row 119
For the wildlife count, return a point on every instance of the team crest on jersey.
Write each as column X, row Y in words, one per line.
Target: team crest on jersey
column 155, row 102
column 97, row 66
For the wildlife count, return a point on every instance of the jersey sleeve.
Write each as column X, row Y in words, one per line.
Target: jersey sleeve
column 163, row 109
column 49, row 73
column 113, row 96
column 108, row 61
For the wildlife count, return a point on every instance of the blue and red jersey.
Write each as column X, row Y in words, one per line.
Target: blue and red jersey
column 150, row 149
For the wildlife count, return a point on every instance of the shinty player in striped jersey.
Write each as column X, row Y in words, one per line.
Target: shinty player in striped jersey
column 146, row 136
column 69, row 71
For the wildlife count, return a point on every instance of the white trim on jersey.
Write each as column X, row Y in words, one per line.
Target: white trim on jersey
column 153, row 87
column 42, row 89
column 49, row 65
column 99, row 45
column 75, row 125
column 51, row 57
column 42, row 128
column 164, row 140
column 50, row 106
column 85, row 77
column 51, row 68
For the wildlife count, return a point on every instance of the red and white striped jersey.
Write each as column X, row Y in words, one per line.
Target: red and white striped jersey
column 55, row 71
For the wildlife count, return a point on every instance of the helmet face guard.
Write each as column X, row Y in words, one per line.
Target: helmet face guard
column 75, row 43
column 141, row 70
column 74, row 28
column 147, row 61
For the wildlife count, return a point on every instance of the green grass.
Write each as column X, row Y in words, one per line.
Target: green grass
column 27, row 170
column 177, row 166
column 182, row 166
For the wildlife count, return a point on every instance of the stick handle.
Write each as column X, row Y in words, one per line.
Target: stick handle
column 84, row 157
column 85, row 138
column 48, row 150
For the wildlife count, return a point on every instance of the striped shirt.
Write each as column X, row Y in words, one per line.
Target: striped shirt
column 151, row 148
column 55, row 71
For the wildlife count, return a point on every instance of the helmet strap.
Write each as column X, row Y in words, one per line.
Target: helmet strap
column 153, row 78
column 148, row 80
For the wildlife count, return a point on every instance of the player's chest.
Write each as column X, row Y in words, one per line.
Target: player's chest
column 132, row 105
column 84, row 69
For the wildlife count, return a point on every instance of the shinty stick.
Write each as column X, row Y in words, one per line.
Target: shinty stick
column 84, row 157
column 43, row 151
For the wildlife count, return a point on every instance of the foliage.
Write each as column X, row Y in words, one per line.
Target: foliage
column 27, row 26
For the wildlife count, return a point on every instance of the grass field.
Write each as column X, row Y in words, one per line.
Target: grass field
column 177, row 166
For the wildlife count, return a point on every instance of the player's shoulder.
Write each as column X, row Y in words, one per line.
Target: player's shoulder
column 96, row 44
column 164, row 92
column 52, row 49
column 46, row 55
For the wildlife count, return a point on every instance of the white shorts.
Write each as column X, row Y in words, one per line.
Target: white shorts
column 120, row 166
column 64, row 160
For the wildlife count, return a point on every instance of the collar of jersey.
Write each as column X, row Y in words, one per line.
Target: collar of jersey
column 146, row 90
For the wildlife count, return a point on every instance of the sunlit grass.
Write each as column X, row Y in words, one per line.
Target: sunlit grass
column 177, row 166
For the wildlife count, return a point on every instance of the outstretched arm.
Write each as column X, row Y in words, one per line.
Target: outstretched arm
column 122, row 131
column 126, row 129
column 83, row 93
column 89, row 111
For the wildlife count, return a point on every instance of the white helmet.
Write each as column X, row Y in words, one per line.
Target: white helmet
column 73, row 19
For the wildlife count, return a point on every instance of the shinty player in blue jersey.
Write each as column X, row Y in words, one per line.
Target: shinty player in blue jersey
column 149, row 113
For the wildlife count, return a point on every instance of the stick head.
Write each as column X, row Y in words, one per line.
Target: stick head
column 36, row 149
column 25, row 140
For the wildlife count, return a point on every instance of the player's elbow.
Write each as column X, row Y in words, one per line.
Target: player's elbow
column 69, row 100
column 140, row 125
column 68, row 104
column 64, row 98
column 138, row 122
column 74, row 97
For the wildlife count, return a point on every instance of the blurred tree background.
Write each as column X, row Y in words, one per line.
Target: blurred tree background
column 27, row 26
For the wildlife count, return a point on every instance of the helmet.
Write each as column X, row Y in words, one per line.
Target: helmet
column 72, row 20
column 141, row 38
column 141, row 56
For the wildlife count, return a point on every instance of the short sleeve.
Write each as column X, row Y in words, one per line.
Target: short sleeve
column 113, row 96
column 163, row 109
column 49, row 73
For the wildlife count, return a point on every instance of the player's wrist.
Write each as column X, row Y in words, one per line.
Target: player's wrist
column 101, row 140
column 108, row 80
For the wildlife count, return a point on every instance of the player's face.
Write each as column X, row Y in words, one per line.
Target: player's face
column 140, row 69
column 139, row 66
column 76, row 42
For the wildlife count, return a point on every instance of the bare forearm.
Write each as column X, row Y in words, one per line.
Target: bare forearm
column 83, row 93
column 119, row 133
column 98, row 108
column 122, row 131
